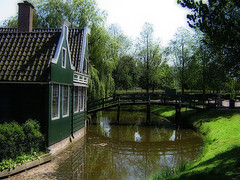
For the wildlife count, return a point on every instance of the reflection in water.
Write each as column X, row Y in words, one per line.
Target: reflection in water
column 123, row 151
column 137, row 136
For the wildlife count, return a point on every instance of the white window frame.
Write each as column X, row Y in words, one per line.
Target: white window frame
column 64, row 57
column 78, row 105
column 85, row 99
column 65, row 115
column 58, row 115
column 81, row 100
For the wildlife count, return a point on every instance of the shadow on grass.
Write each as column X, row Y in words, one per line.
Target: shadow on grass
column 228, row 161
column 213, row 115
column 217, row 167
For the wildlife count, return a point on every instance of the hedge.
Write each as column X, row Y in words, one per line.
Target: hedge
column 17, row 140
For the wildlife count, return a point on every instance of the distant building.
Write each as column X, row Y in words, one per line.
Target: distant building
column 44, row 76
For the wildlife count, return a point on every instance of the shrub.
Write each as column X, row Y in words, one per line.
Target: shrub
column 17, row 140
column 34, row 139
column 11, row 140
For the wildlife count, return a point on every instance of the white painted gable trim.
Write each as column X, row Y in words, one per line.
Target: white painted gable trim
column 54, row 60
column 84, row 47
column 58, row 50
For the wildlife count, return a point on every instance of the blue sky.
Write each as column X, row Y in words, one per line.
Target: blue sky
column 165, row 15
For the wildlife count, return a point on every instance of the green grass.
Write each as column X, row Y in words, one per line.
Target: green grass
column 169, row 112
column 221, row 156
column 137, row 91
column 164, row 111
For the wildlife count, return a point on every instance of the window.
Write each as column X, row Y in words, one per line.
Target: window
column 65, row 101
column 55, row 101
column 63, row 57
column 82, row 104
column 85, row 98
column 76, row 99
column 81, row 100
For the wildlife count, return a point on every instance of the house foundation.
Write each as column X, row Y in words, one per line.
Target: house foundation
column 63, row 144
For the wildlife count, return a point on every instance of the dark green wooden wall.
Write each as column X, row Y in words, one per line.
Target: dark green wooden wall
column 20, row 102
column 79, row 120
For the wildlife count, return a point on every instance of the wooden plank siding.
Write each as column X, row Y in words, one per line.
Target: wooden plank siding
column 79, row 120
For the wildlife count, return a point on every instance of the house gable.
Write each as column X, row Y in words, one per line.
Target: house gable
column 61, row 65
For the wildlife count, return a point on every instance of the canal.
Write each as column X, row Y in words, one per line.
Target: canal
column 129, row 150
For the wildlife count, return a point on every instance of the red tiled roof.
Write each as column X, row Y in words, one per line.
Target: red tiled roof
column 26, row 56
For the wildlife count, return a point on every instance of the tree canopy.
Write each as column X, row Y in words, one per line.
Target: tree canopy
column 220, row 22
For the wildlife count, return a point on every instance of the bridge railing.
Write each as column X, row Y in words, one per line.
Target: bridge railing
column 141, row 98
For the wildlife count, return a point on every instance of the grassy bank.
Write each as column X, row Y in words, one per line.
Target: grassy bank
column 221, row 156
column 169, row 112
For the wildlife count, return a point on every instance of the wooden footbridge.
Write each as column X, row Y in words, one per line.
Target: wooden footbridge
column 179, row 101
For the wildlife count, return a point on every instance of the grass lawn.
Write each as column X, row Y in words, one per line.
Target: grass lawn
column 169, row 112
column 221, row 156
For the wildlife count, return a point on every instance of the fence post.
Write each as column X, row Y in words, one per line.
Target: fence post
column 180, row 101
column 178, row 113
column 103, row 103
column 118, row 113
column 119, row 100
column 149, row 99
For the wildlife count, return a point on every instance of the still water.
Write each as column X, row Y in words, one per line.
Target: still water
column 129, row 150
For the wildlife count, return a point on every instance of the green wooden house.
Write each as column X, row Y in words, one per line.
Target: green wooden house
column 44, row 76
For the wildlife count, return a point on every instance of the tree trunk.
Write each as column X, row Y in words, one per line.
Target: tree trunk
column 183, row 64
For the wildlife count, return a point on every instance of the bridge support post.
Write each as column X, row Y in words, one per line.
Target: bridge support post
column 148, row 114
column 178, row 113
column 118, row 113
column 148, row 109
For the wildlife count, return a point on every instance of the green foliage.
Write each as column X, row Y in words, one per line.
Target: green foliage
column 180, row 51
column 35, row 139
column 102, row 62
column 12, row 139
column 167, row 173
column 150, row 61
column 125, row 74
column 219, row 21
column 12, row 163
column 17, row 141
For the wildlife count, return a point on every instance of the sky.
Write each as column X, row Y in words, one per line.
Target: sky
column 165, row 15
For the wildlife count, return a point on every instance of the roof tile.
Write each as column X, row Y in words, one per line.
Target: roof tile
column 27, row 56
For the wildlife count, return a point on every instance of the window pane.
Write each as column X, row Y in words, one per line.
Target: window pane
column 63, row 57
column 82, row 98
column 76, row 99
column 65, row 101
column 55, row 101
